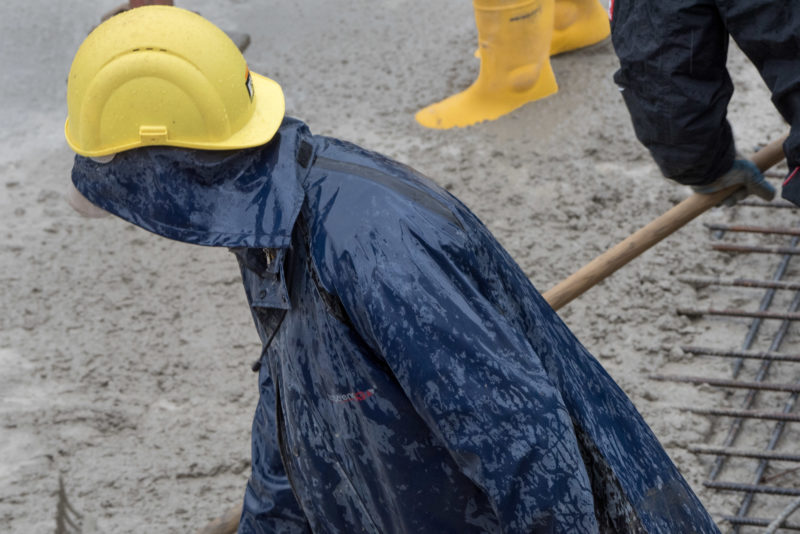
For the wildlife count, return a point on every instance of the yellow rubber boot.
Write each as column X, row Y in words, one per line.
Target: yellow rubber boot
column 514, row 39
column 578, row 24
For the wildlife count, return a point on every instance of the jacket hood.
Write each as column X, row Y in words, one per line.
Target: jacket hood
column 241, row 198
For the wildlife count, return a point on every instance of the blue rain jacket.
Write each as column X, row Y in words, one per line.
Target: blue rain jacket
column 412, row 379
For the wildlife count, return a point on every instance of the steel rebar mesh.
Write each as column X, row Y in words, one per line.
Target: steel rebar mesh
column 756, row 459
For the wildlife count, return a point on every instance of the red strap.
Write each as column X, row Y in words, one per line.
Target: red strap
column 786, row 181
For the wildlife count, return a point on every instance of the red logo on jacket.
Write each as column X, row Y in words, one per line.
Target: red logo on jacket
column 356, row 396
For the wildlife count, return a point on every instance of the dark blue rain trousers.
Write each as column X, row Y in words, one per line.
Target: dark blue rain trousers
column 675, row 82
column 412, row 379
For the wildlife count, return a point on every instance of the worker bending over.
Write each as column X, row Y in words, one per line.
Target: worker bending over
column 412, row 380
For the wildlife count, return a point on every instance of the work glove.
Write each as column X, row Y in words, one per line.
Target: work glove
column 743, row 172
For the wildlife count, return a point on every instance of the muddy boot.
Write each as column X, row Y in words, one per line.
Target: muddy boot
column 578, row 24
column 514, row 40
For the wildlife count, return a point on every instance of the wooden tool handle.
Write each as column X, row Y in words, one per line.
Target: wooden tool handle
column 227, row 523
column 644, row 238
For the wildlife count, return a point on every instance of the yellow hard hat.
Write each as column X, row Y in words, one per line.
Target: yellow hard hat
column 161, row 75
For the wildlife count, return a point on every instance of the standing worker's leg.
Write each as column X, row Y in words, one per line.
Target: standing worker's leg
column 514, row 39
column 140, row 3
column 577, row 24
column 675, row 84
column 769, row 33
column 240, row 39
column 135, row 3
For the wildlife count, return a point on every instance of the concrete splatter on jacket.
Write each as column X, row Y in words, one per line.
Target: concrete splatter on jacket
column 412, row 379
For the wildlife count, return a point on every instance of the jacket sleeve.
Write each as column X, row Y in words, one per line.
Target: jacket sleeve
column 474, row 379
column 769, row 33
column 673, row 79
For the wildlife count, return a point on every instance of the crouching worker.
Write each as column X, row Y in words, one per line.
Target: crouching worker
column 412, row 380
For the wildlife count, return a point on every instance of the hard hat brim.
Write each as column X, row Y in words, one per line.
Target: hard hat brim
column 270, row 107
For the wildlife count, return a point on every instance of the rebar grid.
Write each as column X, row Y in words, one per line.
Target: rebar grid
column 770, row 467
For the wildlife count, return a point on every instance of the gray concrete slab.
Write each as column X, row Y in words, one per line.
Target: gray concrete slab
column 124, row 358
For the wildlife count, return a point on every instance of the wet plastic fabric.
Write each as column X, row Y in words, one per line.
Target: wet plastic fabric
column 675, row 83
column 226, row 199
column 412, row 379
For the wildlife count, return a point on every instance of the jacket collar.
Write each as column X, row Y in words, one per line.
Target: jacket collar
column 242, row 198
